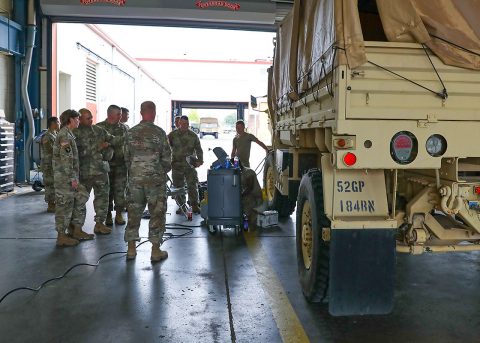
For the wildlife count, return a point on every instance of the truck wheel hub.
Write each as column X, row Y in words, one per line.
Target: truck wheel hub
column 270, row 184
column 307, row 236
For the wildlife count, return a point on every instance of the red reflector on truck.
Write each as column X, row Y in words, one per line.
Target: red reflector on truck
column 349, row 159
column 477, row 190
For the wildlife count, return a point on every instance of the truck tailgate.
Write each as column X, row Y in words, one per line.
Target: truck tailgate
column 376, row 93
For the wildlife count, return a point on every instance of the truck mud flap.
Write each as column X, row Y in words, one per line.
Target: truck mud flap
column 362, row 272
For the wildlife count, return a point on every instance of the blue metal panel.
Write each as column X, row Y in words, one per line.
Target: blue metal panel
column 20, row 125
column 20, row 17
column 178, row 105
column 10, row 32
column 34, row 79
column 48, row 47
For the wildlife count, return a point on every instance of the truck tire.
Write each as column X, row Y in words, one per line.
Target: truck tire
column 313, row 253
column 275, row 201
column 37, row 186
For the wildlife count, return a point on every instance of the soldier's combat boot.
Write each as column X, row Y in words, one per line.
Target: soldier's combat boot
column 101, row 229
column 119, row 220
column 51, row 207
column 196, row 209
column 109, row 220
column 77, row 233
column 132, row 250
column 64, row 241
column 157, row 254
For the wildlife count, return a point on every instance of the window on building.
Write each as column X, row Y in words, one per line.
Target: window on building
column 91, row 82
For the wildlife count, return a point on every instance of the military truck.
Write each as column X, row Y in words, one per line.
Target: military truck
column 208, row 126
column 375, row 115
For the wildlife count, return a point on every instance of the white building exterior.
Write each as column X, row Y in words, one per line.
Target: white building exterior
column 94, row 72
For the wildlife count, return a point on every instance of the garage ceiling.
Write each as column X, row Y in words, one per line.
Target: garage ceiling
column 260, row 15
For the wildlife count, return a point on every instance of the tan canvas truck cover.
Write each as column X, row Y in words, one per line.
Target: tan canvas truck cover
column 320, row 33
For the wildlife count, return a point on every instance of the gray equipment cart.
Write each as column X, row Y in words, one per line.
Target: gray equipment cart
column 224, row 198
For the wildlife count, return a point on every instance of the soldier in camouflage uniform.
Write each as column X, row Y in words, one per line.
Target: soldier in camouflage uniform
column 185, row 142
column 176, row 122
column 251, row 194
column 118, row 170
column 70, row 195
column 92, row 143
column 148, row 158
column 48, row 141
column 125, row 116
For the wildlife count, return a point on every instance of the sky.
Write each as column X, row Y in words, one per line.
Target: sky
column 200, row 81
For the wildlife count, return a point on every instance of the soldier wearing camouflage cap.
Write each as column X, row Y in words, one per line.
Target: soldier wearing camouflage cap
column 70, row 195
column 184, row 142
column 48, row 140
column 148, row 158
column 93, row 143
column 118, row 170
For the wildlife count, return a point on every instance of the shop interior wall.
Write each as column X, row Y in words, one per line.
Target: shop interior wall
column 7, row 75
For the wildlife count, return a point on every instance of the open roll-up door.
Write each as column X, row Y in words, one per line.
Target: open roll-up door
column 245, row 15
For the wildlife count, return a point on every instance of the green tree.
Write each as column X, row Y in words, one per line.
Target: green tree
column 230, row 119
column 193, row 116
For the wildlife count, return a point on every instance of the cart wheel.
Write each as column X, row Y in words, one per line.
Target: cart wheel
column 37, row 186
column 212, row 229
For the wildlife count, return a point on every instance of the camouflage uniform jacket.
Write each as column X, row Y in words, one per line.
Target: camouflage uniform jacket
column 48, row 140
column 184, row 143
column 65, row 157
column 92, row 159
column 147, row 153
column 118, row 130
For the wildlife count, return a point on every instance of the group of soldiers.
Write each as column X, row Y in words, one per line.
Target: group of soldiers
column 126, row 168
column 106, row 157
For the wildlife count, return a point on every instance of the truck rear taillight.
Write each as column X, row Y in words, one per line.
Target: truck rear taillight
column 404, row 147
column 436, row 145
column 349, row 159
column 477, row 189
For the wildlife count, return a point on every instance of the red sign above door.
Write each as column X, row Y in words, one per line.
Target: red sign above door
column 115, row 2
column 212, row 3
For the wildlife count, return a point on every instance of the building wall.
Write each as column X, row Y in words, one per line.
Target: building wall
column 7, row 84
column 118, row 80
column 7, row 74
column 258, row 122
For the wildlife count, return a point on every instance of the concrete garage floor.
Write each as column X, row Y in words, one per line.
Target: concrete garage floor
column 219, row 288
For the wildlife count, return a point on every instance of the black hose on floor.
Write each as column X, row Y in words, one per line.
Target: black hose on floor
column 167, row 236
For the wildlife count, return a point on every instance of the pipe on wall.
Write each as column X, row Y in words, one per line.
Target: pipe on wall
column 29, row 45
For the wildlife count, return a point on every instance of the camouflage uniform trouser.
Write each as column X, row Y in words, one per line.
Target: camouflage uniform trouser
column 181, row 174
column 118, row 183
column 139, row 195
column 49, row 185
column 100, row 186
column 70, row 206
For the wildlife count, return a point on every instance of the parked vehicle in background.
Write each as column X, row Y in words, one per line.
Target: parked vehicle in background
column 228, row 129
column 209, row 126
column 195, row 127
